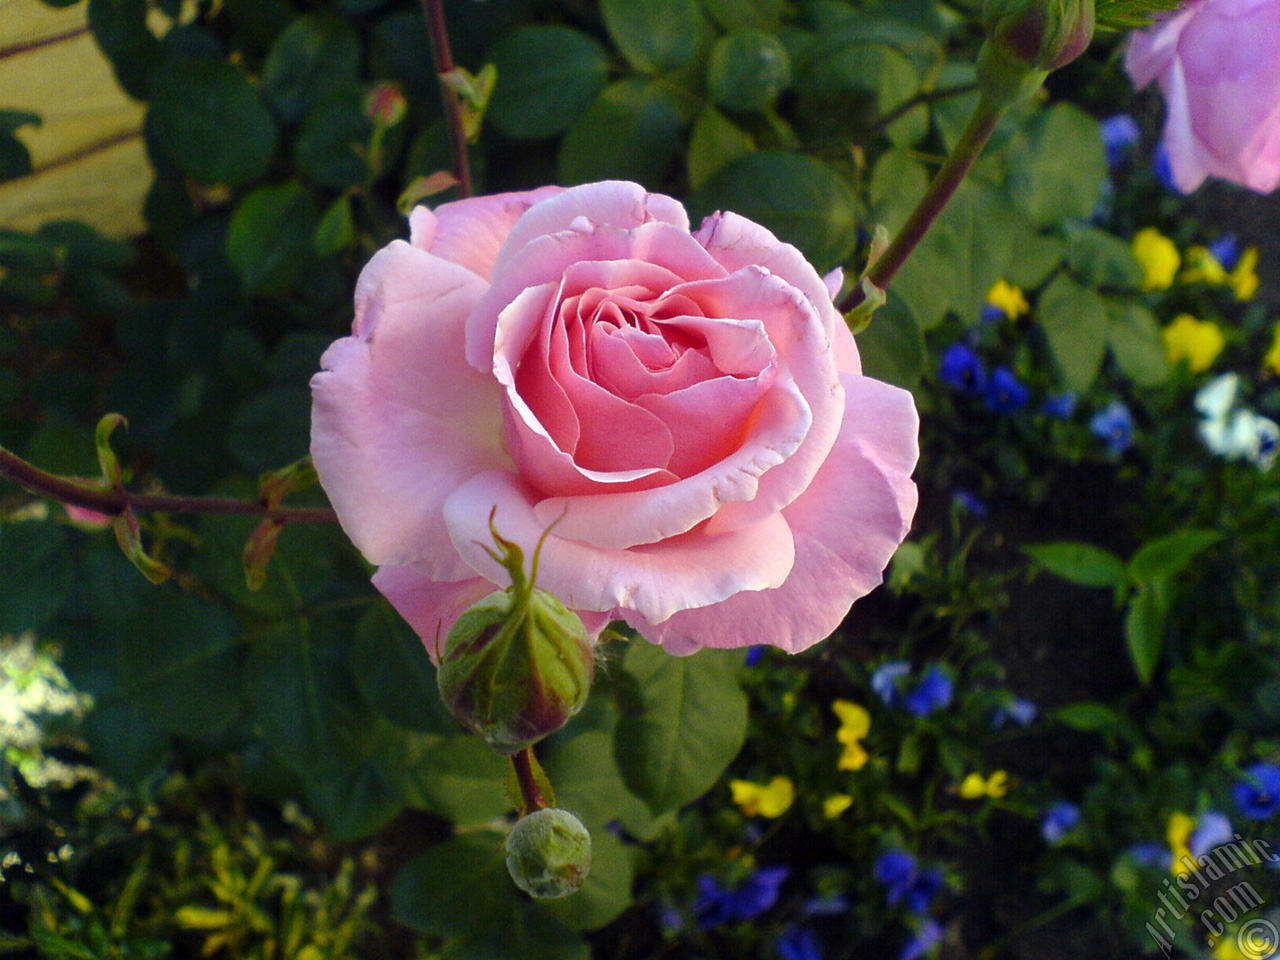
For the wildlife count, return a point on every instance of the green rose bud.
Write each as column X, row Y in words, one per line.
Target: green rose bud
column 549, row 853
column 517, row 664
column 1026, row 39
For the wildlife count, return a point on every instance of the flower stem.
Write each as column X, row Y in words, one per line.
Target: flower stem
column 433, row 10
column 953, row 170
column 522, row 761
column 86, row 494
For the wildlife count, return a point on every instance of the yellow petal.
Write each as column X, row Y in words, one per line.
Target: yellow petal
column 1272, row 360
column 855, row 722
column 777, row 797
column 1198, row 342
column 853, row 758
column 1243, row 279
column 746, row 796
column 973, row 786
column 1158, row 256
column 998, row 784
column 835, row 805
column 1008, row 299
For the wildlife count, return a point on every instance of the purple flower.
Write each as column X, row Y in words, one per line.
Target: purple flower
column 1258, row 795
column 928, row 936
column 1226, row 250
column 904, row 882
column 1020, row 711
column 1212, row 830
column 798, row 943
column 1150, row 854
column 754, row 655
column 961, row 369
column 1060, row 406
column 1059, row 819
column 1114, row 425
column 1120, row 135
column 1005, row 392
column 717, row 904
column 931, row 694
column 968, row 502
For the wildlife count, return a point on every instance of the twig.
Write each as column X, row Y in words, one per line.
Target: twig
column 115, row 502
column 433, row 10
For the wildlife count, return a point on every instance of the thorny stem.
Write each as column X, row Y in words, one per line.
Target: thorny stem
column 522, row 761
column 433, row 10
column 953, row 170
column 80, row 493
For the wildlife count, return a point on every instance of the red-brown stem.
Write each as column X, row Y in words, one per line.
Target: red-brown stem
column 433, row 10
column 114, row 502
column 953, row 170
column 529, row 789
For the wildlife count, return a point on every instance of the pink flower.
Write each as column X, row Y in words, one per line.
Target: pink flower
column 687, row 408
column 1219, row 70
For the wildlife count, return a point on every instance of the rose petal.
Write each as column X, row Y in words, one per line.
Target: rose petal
column 470, row 232
column 430, row 606
column 846, row 526
column 655, row 580
column 708, row 421
column 395, row 397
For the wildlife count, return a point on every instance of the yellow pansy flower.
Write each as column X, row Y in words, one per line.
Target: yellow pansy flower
column 1272, row 360
column 1158, row 257
column 835, row 805
column 1244, row 277
column 1008, row 299
column 766, row 800
column 855, row 723
column 1177, row 834
column 975, row 785
column 1228, row 949
column 1196, row 341
column 1202, row 267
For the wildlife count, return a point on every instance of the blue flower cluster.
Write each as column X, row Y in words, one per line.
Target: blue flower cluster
column 933, row 692
column 1001, row 390
column 909, row 885
column 1258, row 795
column 718, row 904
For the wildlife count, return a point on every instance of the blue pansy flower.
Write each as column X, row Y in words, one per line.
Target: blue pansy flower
column 961, row 369
column 1059, row 820
column 1164, row 169
column 1258, row 795
column 969, row 502
column 1114, row 425
column 716, row 904
column 926, row 937
column 798, row 943
column 754, row 655
column 885, row 680
column 1150, row 854
column 1020, row 711
column 1060, row 406
column 905, row 883
column 1120, row 135
column 825, row 905
column 1212, row 831
column 1226, row 250
column 1005, row 392
column 931, row 694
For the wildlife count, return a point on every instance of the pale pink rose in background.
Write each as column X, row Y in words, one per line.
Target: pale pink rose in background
column 688, row 409
column 1218, row 63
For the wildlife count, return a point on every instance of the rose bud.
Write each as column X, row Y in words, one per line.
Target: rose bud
column 1028, row 38
column 549, row 853
column 517, row 664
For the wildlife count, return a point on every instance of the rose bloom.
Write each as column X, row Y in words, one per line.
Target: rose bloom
column 687, row 409
column 1219, row 71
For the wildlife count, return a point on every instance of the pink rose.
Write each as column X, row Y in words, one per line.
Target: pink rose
column 1218, row 63
column 687, row 408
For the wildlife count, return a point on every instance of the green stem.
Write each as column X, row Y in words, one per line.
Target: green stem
column 433, row 10
column 84, row 494
column 529, row 789
column 953, row 170
column 928, row 96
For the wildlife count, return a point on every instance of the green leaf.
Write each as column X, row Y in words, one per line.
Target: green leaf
column 15, row 159
column 180, row 663
column 1090, row 717
column 207, row 118
column 898, row 181
column 547, row 76
column 336, row 230
column 333, row 142
column 270, row 428
column 714, row 142
column 1168, row 556
column 315, row 56
column 394, row 674
column 120, row 28
column 748, row 69
column 589, row 784
column 1134, row 338
column 800, row 199
column 38, row 574
column 630, row 131
column 655, row 35
column 270, row 237
column 1059, row 173
column 303, row 698
column 606, row 894
column 742, row 14
column 463, row 780
column 685, row 722
column 1102, row 260
column 1074, row 320
column 1081, row 563
column 459, row 890
column 892, row 345
column 353, row 804
column 1144, row 628
column 851, row 87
